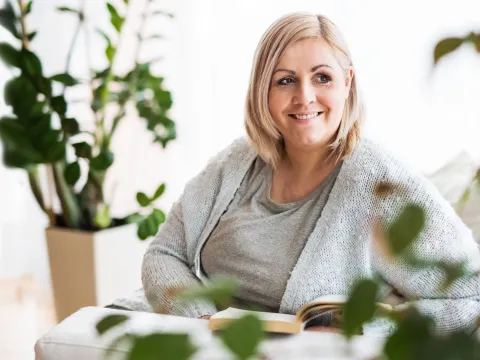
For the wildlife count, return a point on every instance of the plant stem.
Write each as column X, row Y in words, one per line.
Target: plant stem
column 108, row 78
column 74, row 40
column 97, row 134
column 23, row 23
column 133, row 82
column 37, row 192
column 71, row 210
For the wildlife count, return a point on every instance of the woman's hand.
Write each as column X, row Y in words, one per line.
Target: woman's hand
column 324, row 329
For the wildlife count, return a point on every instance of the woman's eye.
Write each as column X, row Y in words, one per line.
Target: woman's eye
column 324, row 79
column 285, row 81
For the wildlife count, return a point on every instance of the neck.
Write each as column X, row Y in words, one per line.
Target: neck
column 305, row 162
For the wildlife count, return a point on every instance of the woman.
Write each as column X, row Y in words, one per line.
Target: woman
column 289, row 212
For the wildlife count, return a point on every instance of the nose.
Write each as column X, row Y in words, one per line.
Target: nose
column 304, row 94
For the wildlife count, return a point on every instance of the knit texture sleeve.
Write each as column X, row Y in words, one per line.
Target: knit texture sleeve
column 445, row 239
column 166, row 268
column 169, row 261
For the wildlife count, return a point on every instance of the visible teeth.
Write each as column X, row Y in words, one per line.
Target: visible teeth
column 304, row 117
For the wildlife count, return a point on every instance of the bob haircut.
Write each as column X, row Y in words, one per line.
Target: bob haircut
column 263, row 134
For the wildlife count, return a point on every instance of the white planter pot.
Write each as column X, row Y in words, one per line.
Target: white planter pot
column 93, row 268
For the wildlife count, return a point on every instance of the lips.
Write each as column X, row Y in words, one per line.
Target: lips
column 306, row 116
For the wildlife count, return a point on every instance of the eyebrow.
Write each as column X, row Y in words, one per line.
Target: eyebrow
column 313, row 69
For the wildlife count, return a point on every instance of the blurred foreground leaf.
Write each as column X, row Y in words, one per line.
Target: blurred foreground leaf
column 243, row 336
column 406, row 227
column 162, row 347
column 360, row 307
column 109, row 322
column 221, row 291
column 446, row 46
column 412, row 334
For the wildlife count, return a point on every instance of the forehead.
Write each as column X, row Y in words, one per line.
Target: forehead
column 307, row 53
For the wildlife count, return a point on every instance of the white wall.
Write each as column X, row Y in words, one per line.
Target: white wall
column 424, row 118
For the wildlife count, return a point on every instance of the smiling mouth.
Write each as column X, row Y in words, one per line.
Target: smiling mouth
column 305, row 116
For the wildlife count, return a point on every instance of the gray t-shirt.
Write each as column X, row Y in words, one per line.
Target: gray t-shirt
column 258, row 241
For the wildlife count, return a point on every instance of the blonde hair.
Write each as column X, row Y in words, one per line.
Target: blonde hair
column 287, row 30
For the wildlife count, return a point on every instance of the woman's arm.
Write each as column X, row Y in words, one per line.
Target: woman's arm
column 454, row 309
column 166, row 268
column 446, row 239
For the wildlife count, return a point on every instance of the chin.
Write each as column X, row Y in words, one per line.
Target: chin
column 310, row 142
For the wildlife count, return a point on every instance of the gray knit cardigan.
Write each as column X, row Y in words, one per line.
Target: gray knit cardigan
column 339, row 251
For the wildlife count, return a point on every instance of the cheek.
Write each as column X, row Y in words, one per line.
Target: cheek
column 335, row 101
column 276, row 102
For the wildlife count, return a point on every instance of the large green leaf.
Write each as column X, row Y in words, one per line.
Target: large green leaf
column 28, row 8
column 9, row 55
column 115, row 18
column 411, row 335
column 72, row 173
column 220, row 291
column 159, row 192
column 30, row 62
column 55, row 153
column 147, row 227
column 110, row 53
column 143, row 199
column 13, row 158
column 65, row 79
column 59, row 104
column 49, row 139
column 83, row 150
column 44, row 85
column 40, row 126
column 102, row 161
column 159, row 217
column 70, row 126
column 13, row 132
column 134, row 218
column 445, row 47
column 163, row 98
column 8, row 19
column 19, row 150
column 360, row 307
column 31, row 36
column 243, row 336
column 162, row 347
column 109, row 322
column 21, row 95
column 406, row 228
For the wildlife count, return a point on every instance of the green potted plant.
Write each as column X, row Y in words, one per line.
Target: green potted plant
column 86, row 245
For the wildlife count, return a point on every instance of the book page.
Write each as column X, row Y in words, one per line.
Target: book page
column 233, row 313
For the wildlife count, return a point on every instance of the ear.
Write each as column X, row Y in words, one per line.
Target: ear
column 348, row 80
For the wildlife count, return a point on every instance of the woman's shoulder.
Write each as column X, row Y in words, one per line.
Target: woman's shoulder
column 377, row 163
column 238, row 151
column 374, row 164
column 225, row 165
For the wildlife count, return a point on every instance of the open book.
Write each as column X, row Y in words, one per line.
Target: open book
column 290, row 324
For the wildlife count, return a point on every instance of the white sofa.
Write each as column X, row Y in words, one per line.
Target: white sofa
column 75, row 338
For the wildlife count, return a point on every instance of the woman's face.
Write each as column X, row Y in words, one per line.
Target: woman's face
column 307, row 94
